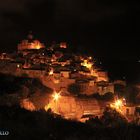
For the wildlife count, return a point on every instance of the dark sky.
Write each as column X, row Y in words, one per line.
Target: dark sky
column 109, row 29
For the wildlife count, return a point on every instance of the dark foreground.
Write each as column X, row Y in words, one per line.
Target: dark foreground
column 41, row 125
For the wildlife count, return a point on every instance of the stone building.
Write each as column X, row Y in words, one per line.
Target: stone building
column 105, row 89
column 102, row 76
column 30, row 44
column 72, row 107
column 129, row 110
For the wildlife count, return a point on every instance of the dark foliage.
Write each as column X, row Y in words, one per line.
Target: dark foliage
column 110, row 118
column 11, row 84
column 13, row 89
column 23, row 124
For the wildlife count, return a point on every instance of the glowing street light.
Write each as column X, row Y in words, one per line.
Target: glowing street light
column 37, row 47
column 118, row 104
column 51, row 72
column 18, row 66
column 56, row 96
column 90, row 58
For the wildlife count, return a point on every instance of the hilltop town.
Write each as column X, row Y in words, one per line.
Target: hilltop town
column 74, row 78
column 56, row 67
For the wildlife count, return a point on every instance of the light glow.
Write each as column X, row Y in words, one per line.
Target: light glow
column 118, row 105
column 56, row 95
column 18, row 65
column 87, row 64
column 51, row 72
column 37, row 47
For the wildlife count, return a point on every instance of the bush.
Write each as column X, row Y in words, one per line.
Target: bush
column 112, row 118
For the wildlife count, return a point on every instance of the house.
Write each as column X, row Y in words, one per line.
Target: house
column 129, row 110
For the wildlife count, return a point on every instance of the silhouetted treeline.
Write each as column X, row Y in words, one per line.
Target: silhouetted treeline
column 10, row 84
column 14, row 89
column 41, row 125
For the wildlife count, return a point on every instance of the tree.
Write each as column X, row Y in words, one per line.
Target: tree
column 112, row 118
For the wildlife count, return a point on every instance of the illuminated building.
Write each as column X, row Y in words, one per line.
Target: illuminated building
column 58, row 70
column 87, row 64
column 30, row 44
column 72, row 107
column 63, row 45
column 51, row 72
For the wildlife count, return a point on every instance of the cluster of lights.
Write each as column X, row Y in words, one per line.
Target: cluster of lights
column 87, row 64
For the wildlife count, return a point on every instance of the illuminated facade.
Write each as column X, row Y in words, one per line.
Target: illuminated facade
column 60, row 70
column 30, row 44
column 74, row 108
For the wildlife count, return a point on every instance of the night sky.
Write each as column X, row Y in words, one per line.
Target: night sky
column 109, row 29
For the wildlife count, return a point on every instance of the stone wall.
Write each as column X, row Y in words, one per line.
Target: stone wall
column 74, row 108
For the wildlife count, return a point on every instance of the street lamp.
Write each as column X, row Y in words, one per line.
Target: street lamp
column 118, row 104
column 51, row 72
column 56, row 96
